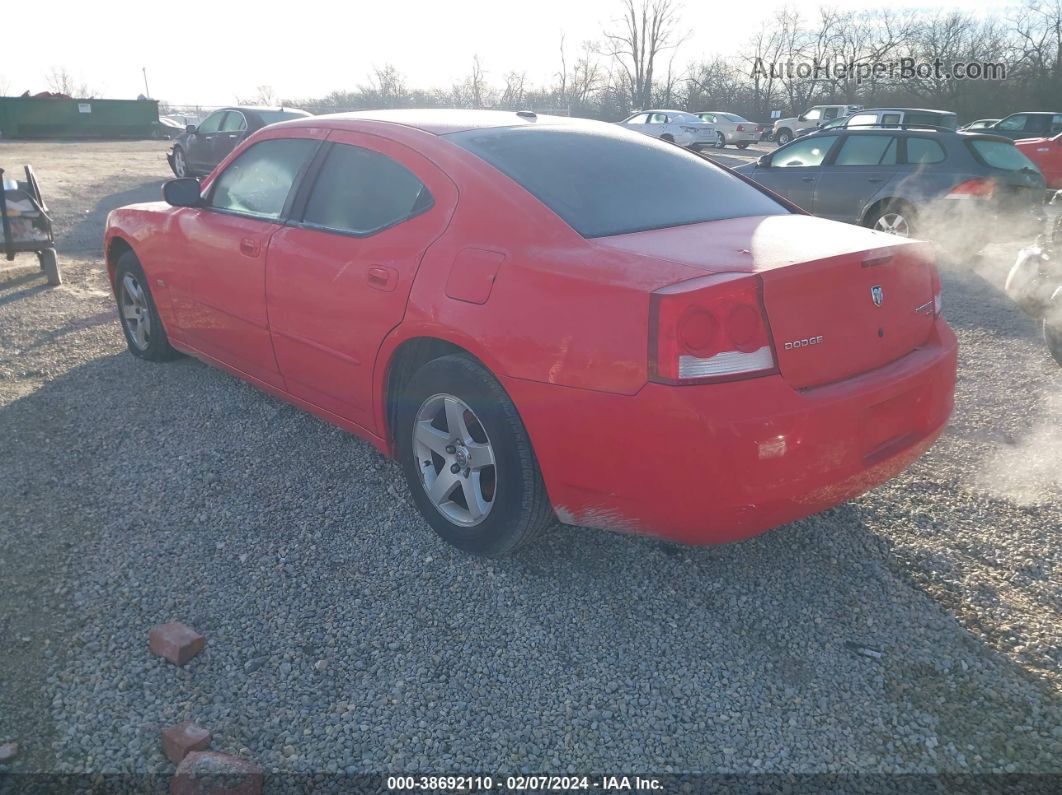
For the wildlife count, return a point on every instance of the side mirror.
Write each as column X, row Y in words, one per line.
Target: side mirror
column 763, row 161
column 190, row 128
column 182, row 192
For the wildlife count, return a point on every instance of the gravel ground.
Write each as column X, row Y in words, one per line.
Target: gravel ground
column 343, row 636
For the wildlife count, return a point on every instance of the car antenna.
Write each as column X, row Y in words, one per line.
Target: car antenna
column 527, row 114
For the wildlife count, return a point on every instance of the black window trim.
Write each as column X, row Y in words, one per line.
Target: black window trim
column 292, row 192
column 296, row 211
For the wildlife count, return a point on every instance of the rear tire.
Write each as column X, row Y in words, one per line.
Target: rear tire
column 743, row 145
column 720, row 141
column 49, row 262
column 486, row 497
column 137, row 313
column 895, row 218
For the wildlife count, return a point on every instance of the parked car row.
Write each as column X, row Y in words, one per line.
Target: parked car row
column 490, row 297
column 695, row 130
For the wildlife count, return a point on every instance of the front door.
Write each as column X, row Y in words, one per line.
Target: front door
column 338, row 276
column 221, row 304
column 201, row 143
column 794, row 169
column 233, row 131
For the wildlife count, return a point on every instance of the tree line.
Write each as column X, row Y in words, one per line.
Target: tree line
column 640, row 61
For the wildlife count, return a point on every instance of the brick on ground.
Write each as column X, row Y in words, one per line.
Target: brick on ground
column 180, row 740
column 177, row 642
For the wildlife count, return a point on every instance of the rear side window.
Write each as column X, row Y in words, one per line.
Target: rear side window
column 1015, row 122
column 863, row 119
column 999, row 154
column 258, row 181
column 925, row 151
column 807, row 152
column 867, row 150
column 610, row 181
column 360, row 192
column 234, row 122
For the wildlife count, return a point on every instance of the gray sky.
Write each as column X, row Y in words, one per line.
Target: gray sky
column 206, row 52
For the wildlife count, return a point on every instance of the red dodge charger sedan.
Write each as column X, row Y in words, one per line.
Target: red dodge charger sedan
column 548, row 318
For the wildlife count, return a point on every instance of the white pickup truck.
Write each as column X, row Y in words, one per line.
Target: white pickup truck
column 784, row 129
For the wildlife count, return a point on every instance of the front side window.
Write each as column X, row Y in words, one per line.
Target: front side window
column 924, row 151
column 611, row 182
column 808, row 152
column 234, row 122
column 212, row 123
column 641, row 118
column 812, row 115
column 1015, row 122
column 1056, row 123
column 658, row 118
column 257, row 182
column 708, row 117
column 360, row 191
column 867, row 150
column 830, row 113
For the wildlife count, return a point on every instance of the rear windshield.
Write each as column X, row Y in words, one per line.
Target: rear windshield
column 273, row 116
column 611, row 182
column 1001, row 154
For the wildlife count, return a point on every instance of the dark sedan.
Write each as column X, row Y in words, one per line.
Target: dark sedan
column 1028, row 124
column 960, row 188
column 199, row 148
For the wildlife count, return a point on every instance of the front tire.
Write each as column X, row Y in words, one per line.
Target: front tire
column 784, row 137
column 139, row 317
column 743, row 145
column 180, row 163
column 468, row 460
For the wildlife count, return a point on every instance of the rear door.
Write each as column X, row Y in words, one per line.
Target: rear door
column 338, row 276
column 794, row 170
column 860, row 169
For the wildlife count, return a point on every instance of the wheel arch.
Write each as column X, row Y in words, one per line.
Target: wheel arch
column 401, row 356
column 116, row 247
column 871, row 209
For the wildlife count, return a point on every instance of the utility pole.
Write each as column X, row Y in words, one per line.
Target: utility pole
column 147, row 93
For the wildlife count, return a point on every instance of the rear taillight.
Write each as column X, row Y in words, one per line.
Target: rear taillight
column 709, row 329
column 741, row 128
column 938, row 304
column 973, row 189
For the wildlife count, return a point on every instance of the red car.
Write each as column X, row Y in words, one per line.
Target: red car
column 1046, row 153
column 548, row 318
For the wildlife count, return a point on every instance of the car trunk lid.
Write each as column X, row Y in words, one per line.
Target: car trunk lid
column 840, row 299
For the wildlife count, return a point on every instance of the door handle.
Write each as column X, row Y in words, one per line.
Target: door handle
column 234, row 135
column 250, row 247
column 807, row 179
column 382, row 278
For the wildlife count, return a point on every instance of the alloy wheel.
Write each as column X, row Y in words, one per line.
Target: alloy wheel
column 894, row 224
column 135, row 312
column 179, row 166
column 455, row 460
column 720, row 140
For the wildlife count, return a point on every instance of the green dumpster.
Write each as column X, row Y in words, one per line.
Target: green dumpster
column 50, row 117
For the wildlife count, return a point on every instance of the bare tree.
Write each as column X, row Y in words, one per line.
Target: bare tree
column 61, row 81
column 263, row 95
column 513, row 94
column 648, row 28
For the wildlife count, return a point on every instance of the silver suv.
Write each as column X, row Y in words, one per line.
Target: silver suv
column 785, row 129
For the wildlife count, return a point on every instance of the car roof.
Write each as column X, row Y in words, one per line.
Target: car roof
column 440, row 121
column 261, row 108
column 907, row 110
column 665, row 110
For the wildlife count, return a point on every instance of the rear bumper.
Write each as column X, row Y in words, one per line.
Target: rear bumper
column 721, row 462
